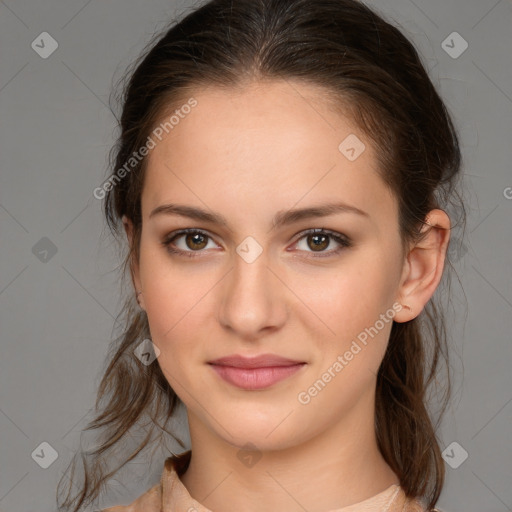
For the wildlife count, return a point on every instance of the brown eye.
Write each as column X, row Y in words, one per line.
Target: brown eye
column 196, row 241
column 318, row 242
column 187, row 242
column 323, row 242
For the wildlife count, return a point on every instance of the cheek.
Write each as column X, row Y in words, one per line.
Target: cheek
column 344, row 298
column 172, row 292
column 173, row 307
column 178, row 303
column 350, row 311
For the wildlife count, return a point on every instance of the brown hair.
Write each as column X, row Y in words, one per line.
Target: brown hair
column 365, row 65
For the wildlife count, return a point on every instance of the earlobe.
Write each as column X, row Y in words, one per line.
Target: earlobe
column 424, row 265
column 134, row 267
column 128, row 227
column 140, row 300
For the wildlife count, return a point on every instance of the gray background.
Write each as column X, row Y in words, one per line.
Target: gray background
column 58, row 310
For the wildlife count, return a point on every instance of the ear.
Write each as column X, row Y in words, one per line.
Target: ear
column 423, row 266
column 134, row 265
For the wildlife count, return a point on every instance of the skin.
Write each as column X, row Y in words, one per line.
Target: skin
column 247, row 154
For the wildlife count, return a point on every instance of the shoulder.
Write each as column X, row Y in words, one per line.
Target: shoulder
column 153, row 499
column 150, row 501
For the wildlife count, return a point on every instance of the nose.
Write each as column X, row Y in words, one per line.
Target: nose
column 253, row 299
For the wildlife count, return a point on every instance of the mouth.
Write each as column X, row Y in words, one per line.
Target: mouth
column 254, row 373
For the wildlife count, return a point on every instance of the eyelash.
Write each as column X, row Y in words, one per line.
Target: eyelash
column 344, row 242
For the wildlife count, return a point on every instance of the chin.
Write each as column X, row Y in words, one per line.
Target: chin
column 267, row 433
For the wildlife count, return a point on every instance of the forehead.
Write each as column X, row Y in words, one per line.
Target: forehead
column 274, row 141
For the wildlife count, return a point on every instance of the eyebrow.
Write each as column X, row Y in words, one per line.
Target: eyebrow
column 281, row 218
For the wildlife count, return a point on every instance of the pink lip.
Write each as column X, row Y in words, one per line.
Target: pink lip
column 253, row 373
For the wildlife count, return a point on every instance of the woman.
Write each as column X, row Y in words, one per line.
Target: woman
column 280, row 178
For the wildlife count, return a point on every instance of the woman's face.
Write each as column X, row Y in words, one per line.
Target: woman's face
column 267, row 160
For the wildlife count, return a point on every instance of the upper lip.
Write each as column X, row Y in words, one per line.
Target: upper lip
column 261, row 361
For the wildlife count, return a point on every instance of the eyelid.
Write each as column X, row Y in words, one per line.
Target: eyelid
column 342, row 240
column 166, row 242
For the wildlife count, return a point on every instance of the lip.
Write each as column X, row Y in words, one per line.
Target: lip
column 253, row 373
column 260, row 361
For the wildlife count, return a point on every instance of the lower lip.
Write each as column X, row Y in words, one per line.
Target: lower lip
column 255, row 378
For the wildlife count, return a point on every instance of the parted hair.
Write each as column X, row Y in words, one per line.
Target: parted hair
column 370, row 69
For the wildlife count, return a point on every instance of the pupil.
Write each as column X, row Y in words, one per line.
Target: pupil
column 196, row 240
column 318, row 243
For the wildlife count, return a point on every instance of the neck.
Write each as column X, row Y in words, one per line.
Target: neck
column 332, row 470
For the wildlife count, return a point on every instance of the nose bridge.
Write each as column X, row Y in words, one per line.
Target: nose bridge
column 252, row 296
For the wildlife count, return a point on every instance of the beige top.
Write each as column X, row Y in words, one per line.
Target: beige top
column 170, row 495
